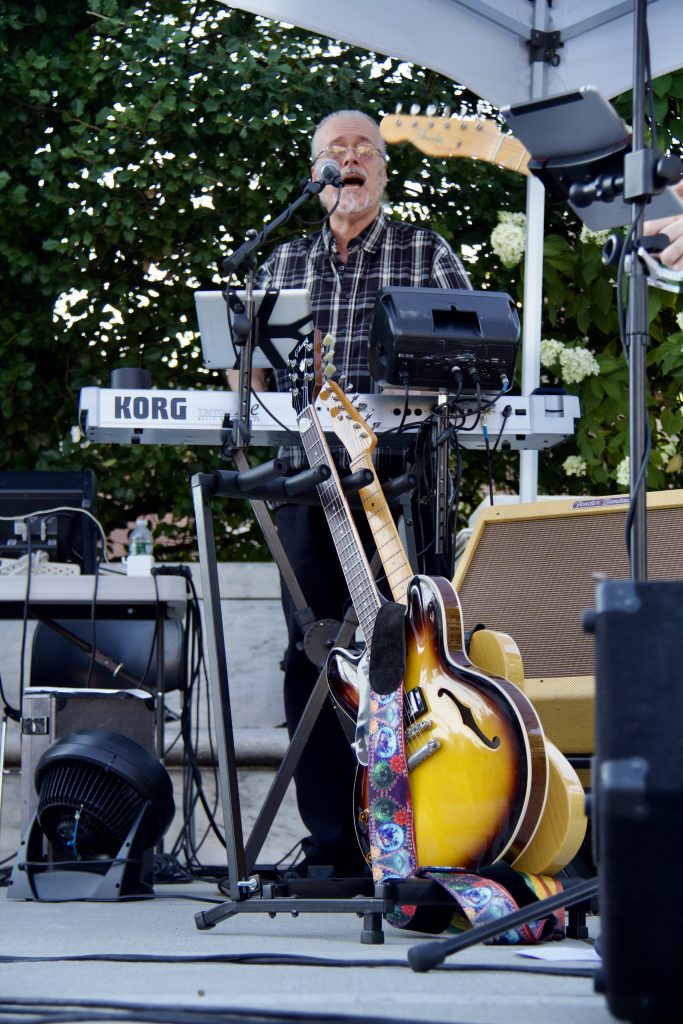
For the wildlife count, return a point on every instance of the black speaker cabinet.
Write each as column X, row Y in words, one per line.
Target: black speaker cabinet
column 638, row 795
column 530, row 570
column 48, row 714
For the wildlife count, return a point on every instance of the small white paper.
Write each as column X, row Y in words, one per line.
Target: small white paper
column 561, row 952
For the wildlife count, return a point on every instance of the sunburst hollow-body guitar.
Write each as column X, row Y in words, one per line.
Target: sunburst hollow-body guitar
column 563, row 823
column 476, row 753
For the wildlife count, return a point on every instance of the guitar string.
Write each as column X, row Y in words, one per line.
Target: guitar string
column 378, row 525
column 339, row 517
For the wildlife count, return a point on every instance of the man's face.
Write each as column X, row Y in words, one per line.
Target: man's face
column 364, row 174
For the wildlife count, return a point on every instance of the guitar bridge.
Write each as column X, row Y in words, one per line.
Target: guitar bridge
column 417, row 728
column 422, row 754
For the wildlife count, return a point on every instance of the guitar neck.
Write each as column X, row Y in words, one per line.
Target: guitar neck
column 347, row 543
column 389, row 545
column 509, row 153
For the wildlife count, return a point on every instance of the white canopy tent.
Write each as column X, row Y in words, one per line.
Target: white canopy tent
column 505, row 51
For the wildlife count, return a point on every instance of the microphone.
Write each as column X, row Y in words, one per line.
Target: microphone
column 329, row 173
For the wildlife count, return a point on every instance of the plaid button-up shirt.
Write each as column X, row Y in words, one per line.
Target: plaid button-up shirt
column 343, row 295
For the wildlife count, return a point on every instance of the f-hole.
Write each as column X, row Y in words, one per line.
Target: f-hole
column 468, row 720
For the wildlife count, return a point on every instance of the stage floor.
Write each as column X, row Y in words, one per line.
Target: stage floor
column 148, row 960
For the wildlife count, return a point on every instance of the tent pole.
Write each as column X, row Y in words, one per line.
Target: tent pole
column 531, row 337
column 533, row 284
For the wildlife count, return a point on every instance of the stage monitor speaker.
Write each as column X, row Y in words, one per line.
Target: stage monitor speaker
column 638, row 796
column 530, row 570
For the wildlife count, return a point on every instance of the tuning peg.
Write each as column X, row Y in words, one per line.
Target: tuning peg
column 328, row 341
column 446, row 113
column 463, row 109
column 349, row 388
column 341, row 381
column 399, row 108
column 361, row 406
column 376, row 424
column 430, row 110
column 415, row 110
column 329, row 370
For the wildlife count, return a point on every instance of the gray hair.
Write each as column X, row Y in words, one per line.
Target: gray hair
column 381, row 145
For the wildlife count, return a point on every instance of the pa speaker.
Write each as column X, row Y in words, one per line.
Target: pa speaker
column 638, row 796
column 530, row 570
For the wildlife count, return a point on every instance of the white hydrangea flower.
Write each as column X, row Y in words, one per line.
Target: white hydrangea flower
column 598, row 237
column 679, row 319
column 576, row 364
column 575, row 465
column 507, row 217
column 550, row 351
column 508, row 238
column 623, row 472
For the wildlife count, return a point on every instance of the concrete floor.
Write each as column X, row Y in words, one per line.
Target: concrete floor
column 87, row 957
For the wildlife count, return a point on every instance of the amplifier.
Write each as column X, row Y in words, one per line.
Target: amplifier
column 530, row 569
column 444, row 338
column 50, row 714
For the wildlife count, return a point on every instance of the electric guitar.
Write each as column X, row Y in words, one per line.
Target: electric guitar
column 563, row 823
column 476, row 137
column 475, row 747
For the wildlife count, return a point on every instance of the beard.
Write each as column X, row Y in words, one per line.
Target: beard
column 355, row 200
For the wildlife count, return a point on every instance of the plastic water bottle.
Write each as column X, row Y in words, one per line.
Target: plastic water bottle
column 140, row 544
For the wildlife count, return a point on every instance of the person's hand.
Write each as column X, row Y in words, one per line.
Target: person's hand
column 672, row 256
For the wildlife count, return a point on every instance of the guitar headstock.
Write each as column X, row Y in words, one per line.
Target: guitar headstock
column 472, row 136
column 348, row 422
column 306, row 371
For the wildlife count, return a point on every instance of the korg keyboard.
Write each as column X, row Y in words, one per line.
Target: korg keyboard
column 151, row 416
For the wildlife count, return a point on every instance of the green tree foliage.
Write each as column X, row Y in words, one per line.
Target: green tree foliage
column 141, row 142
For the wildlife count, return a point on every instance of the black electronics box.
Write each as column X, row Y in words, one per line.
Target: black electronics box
column 454, row 339
column 638, row 795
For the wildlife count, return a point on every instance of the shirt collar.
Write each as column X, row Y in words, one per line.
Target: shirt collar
column 369, row 239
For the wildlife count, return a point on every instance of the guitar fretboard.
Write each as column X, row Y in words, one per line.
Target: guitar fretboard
column 348, row 545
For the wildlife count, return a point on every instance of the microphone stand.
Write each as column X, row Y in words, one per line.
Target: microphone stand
column 244, row 329
column 638, row 189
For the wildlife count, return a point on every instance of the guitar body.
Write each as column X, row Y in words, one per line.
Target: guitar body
column 563, row 824
column 477, row 779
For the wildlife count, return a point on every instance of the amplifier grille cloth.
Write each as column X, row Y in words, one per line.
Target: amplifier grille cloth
column 533, row 578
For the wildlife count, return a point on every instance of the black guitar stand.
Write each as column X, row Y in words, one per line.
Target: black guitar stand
column 248, row 892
